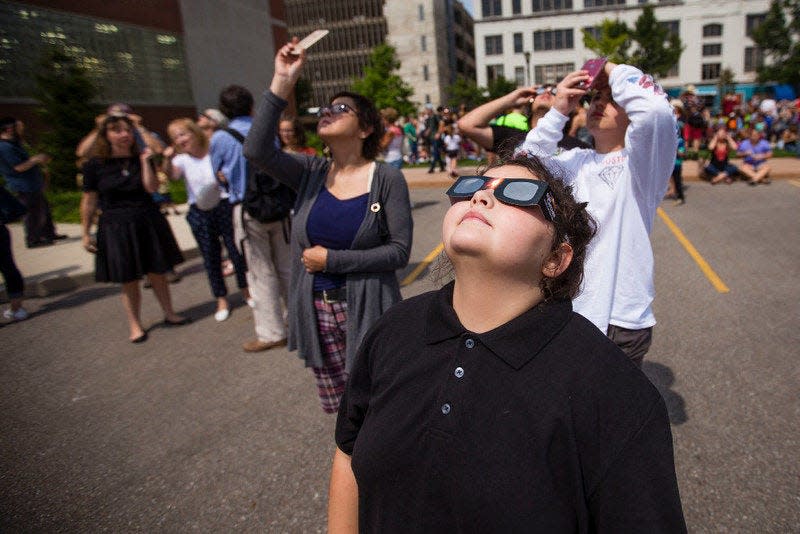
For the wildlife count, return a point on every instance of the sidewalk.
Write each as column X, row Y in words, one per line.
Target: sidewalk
column 65, row 265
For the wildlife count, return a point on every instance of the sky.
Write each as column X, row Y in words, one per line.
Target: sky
column 468, row 6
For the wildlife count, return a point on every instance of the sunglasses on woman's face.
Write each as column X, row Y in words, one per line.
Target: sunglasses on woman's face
column 546, row 89
column 523, row 192
column 334, row 109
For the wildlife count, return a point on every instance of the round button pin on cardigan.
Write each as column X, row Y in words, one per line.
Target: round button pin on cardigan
column 376, row 207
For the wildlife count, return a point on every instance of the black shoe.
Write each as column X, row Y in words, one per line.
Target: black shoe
column 140, row 339
column 41, row 243
column 59, row 237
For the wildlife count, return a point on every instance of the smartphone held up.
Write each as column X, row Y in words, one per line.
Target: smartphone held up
column 594, row 67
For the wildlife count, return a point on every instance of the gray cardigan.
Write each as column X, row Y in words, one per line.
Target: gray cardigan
column 382, row 243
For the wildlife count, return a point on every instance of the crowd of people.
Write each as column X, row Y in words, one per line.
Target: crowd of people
column 747, row 129
column 551, row 301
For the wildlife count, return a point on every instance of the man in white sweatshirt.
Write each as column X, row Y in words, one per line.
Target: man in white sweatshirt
column 623, row 180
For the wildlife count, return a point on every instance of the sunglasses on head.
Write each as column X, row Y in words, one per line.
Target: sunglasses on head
column 334, row 109
column 546, row 89
column 523, row 192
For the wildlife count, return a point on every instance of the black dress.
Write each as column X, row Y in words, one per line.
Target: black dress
column 133, row 237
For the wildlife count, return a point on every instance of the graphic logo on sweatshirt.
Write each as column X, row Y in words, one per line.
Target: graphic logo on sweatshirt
column 611, row 174
column 645, row 81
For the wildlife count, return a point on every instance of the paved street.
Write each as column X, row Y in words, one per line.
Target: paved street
column 186, row 432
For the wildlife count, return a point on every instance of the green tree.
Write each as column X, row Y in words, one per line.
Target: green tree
column 65, row 93
column 612, row 40
column 467, row 92
column 657, row 48
column 303, row 95
column 500, row 87
column 778, row 37
column 382, row 85
column 726, row 82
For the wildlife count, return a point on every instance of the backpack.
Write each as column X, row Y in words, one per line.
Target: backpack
column 265, row 198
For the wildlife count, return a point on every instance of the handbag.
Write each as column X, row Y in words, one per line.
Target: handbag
column 11, row 209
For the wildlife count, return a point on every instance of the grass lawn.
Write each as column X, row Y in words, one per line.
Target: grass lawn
column 65, row 205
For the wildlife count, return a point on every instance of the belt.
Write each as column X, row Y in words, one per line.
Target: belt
column 329, row 296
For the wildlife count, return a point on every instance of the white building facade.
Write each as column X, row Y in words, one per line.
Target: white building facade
column 715, row 34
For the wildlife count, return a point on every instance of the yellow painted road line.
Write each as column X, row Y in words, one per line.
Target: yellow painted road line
column 715, row 280
column 795, row 183
column 422, row 265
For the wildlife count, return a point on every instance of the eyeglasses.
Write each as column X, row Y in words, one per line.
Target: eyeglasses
column 523, row 192
column 547, row 89
column 334, row 109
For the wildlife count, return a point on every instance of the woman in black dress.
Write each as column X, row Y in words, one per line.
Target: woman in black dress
column 133, row 238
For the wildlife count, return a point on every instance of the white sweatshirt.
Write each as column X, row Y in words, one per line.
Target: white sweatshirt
column 623, row 190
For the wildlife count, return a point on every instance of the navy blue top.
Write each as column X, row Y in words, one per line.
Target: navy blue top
column 333, row 223
column 11, row 155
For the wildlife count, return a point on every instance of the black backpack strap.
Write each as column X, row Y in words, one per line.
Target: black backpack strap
column 235, row 134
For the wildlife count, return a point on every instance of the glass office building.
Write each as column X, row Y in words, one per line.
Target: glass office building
column 133, row 64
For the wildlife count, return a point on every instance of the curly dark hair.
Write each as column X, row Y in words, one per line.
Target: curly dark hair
column 235, row 101
column 572, row 225
column 368, row 117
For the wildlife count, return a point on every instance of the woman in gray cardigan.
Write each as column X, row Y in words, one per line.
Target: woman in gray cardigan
column 351, row 228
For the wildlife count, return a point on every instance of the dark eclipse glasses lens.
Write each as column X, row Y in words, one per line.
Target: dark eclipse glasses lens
column 522, row 192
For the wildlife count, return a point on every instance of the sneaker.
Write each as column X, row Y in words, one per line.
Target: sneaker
column 251, row 302
column 222, row 315
column 19, row 315
column 679, row 202
column 256, row 345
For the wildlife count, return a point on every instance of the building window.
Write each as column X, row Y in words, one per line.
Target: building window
column 421, row 12
column 712, row 49
column 517, row 43
column 672, row 26
column 711, row 71
column 594, row 31
column 519, row 76
column 712, row 30
column 425, row 73
column 602, row 3
column 491, row 8
column 673, row 71
column 516, row 7
column 494, row 72
column 423, row 43
column 552, row 73
column 753, row 58
column 553, row 39
column 551, row 5
column 494, row 44
column 752, row 22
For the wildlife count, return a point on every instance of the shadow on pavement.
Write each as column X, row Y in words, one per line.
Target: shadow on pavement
column 662, row 378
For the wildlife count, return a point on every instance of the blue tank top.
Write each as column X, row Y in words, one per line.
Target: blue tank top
column 333, row 224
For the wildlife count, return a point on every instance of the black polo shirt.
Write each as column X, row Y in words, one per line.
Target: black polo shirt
column 540, row 425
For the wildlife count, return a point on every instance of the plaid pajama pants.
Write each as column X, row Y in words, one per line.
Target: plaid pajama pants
column 331, row 377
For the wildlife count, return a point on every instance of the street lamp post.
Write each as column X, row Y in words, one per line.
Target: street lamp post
column 527, row 55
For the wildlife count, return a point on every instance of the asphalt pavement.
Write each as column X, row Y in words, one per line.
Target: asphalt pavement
column 187, row 432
